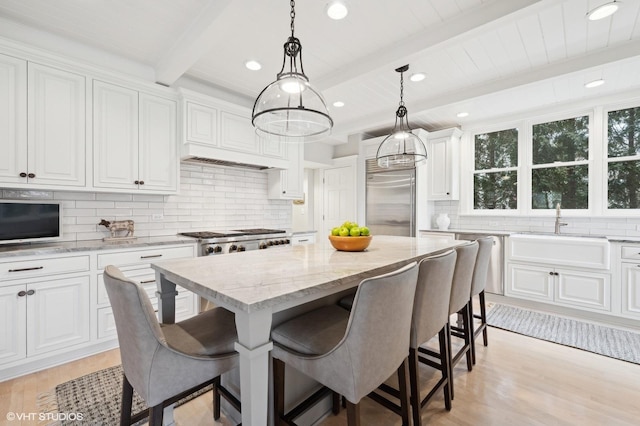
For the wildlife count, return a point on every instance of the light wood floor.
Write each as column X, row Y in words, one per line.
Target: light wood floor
column 517, row 381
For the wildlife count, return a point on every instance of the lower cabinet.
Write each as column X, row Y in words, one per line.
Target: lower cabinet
column 561, row 286
column 40, row 317
column 631, row 290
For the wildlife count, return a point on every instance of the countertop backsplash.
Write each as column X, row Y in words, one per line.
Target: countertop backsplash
column 211, row 198
column 597, row 226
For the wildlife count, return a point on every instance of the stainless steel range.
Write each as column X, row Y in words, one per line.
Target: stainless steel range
column 224, row 242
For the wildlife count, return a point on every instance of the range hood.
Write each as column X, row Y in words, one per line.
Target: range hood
column 214, row 162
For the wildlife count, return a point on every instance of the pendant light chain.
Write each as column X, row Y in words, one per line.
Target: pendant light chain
column 401, row 89
column 293, row 15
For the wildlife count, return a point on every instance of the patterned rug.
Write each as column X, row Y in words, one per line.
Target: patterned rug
column 611, row 342
column 97, row 397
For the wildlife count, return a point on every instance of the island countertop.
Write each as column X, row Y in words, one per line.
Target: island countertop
column 261, row 279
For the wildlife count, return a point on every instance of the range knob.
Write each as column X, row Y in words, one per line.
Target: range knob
column 214, row 249
column 233, row 248
column 287, row 241
column 283, row 242
column 262, row 246
column 241, row 248
column 270, row 243
column 276, row 242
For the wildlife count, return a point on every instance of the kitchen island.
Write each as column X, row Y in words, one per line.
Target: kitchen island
column 258, row 285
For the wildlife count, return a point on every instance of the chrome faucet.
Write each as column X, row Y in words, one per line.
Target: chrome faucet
column 558, row 222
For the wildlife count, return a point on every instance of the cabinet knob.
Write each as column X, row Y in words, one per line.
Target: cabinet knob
column 556, row 274
column 31, row 292
column 141, row 182
column 22, row 293
column 284, row 192
column 448, row 193
column 137, row 182
column 550, row 272
column 31, row 175
column 23, row 174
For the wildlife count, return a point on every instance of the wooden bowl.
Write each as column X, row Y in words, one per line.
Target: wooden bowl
column 350, row 243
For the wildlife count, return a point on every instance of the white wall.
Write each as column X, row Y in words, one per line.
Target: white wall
column 211, row 198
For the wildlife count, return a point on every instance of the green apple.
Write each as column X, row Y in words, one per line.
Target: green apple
column 344, row 232
column 354, row 232
column 335, row 231
column 364, row 231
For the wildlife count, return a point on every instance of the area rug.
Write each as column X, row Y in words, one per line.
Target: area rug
column 611, row 342
column 97, row 396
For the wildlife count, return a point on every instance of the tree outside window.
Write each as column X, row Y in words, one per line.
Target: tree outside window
column 560, row 169
column 624, row 158
column 495, row 180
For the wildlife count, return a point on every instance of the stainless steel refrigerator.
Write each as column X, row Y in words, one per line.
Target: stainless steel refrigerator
column 390, row 199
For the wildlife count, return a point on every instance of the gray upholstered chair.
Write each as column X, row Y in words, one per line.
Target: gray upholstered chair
column 459, row 303
column 350, row 353
column 165, row 363
column 478, row 283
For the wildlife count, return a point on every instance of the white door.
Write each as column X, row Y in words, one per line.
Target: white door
column 631, row 289
column 57, row 127
column 584, row 289
column 13, row 328
column 530, row 282
column 158, row 153
column 13, row 120
column 439, row 183
column 115, row 136
column 339, row 195
column 57, row 314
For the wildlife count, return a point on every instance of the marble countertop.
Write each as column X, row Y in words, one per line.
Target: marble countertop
column 286, row 276
column 36, row 249
column 611, row 238
column 471, row 231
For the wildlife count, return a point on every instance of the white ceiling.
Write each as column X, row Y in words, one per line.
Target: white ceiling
column 490, row 58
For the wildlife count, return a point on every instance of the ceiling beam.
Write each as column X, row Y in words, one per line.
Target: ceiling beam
column 191, row 45
column 601, row 57
column 453, row 30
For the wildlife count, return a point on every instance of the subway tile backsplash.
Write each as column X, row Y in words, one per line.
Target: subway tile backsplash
column 211, row 198
column 609, row 226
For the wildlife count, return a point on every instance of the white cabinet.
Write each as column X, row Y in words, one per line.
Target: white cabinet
column 45, row 308
column 135, row 145
column 43, row 117
column 134, row 264
column 443, row 180
column 288, row 184
column 303, row 238
column 568, row 271
column 630, row 274
column 201, row 124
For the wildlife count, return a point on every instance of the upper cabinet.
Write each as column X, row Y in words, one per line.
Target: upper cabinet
column 218, row 130
column 443, row 165
column 288, row 184
column 42, row 126
column 134, row 136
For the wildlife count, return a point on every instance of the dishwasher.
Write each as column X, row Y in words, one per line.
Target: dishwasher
column 495, row 282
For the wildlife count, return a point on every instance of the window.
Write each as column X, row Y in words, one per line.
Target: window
column 495, row 179
column 560, row 168
column 623, row 131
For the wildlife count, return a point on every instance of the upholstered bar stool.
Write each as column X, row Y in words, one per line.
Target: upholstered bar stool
column 459, row 303
column 165, row 363
column 430, row 318
column 350, row 353
column 478, row 283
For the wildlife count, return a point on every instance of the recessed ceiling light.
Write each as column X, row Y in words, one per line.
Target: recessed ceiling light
column 419, row 76
column 604, row 10
column 594, row 83
column 337, row 9
column 462, row 114
column 253, row 65
column 338, row 104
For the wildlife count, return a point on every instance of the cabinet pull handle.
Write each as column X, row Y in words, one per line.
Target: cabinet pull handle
column 302, row 241
column 31, row 175
column 22, row 293
column 147, row 281
column 31, row 292
column 26, row 269
column 23, row 174
column 150, row 256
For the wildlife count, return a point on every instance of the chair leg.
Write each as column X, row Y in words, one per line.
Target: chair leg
column 467, row 336
column 483, row 318
column 414, row 381
column 445, row 358
column 127, row 399
column 216, row 398
column 449, row 355
column 472, row 333
column 353, row 414
column 404, row 393
column 335, row 403
column 155, row 415
column 278, row 391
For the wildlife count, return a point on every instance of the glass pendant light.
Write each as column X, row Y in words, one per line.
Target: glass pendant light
column 290, row 107
column 401, row 149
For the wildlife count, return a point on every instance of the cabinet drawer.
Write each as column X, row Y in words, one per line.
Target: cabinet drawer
column 303, row 239
column 631, row 252
column 43, row 267
column 141, row 257
column 145, row 277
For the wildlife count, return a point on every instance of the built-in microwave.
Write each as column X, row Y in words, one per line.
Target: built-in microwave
column 23, row 221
